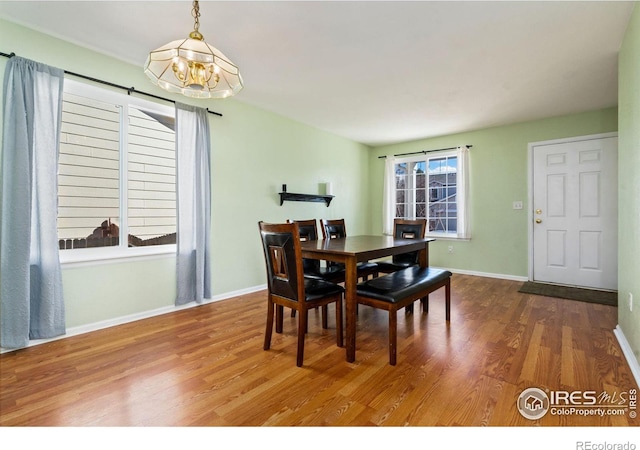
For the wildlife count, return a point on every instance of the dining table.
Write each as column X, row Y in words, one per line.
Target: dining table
column 352, row 250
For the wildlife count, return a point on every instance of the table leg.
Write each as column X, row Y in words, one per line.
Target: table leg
column 351, row 280
column 423, row 259
column 423, row 256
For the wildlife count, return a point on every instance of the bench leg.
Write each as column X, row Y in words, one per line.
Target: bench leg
column 325, row 322
column 393, row 336
column 425, row 304
column 339, row 321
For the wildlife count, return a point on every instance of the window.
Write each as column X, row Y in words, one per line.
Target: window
column 116, row 174
column 431, row 186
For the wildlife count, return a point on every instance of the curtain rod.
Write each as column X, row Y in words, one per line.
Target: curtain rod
column 424, row 152
column 125, row 88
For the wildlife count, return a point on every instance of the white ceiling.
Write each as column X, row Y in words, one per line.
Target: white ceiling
column 376, row 72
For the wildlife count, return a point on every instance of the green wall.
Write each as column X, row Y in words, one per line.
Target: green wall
column 254, row 152
column 629, row 184
column 498, row 177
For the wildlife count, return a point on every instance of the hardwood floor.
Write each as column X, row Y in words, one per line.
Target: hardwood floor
column 205, row 366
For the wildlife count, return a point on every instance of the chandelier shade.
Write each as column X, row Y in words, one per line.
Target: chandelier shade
column 193, row 68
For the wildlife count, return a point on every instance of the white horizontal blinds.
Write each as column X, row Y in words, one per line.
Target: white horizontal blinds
column 151, row 178
column 88, row 177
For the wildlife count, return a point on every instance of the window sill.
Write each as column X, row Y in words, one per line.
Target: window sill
column 110, row 255
column 446, row 237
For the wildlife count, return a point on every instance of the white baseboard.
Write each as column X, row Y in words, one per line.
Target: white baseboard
column 628, row 353
column 490, row 275
column 82, row 329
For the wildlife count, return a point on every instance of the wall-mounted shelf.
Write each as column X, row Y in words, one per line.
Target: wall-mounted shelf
column 304, row 198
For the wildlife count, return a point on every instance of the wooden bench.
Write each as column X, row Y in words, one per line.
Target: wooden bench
column 400, row 289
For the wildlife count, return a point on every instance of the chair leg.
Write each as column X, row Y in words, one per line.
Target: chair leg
column 324, row 324
column 269, row 330
column 393, row 336
column 302, row 327
column 409, row 309
column 447, row 300
column 279, row 318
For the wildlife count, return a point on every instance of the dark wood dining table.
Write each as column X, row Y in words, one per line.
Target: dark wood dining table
column 352, row 250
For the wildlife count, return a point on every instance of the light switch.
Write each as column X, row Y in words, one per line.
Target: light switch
column 517, row 205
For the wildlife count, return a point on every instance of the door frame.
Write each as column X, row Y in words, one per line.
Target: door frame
column 530, row 174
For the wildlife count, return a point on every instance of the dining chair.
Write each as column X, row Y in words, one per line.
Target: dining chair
column 404, row 229
column 336, row 229
column 313, row 268
column 287, row 285
column 333, row 228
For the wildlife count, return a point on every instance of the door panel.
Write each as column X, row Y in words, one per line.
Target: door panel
column 575, row 213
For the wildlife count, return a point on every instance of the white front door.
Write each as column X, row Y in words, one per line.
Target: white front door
column 575, row 212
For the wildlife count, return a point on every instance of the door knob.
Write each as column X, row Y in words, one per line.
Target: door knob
column 538, row 211
column 538, row 220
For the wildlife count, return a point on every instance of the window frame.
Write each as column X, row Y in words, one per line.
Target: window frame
column 121, row 252
column 426, row 157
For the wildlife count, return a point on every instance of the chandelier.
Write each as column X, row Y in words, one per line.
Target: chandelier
column 192, row 67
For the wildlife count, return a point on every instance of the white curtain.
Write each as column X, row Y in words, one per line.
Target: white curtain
column 389, row 196
column 463, row 193
column 193, row 192
column 31, row 300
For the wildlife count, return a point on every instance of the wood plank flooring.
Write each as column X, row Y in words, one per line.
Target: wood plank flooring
column 205, row 366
